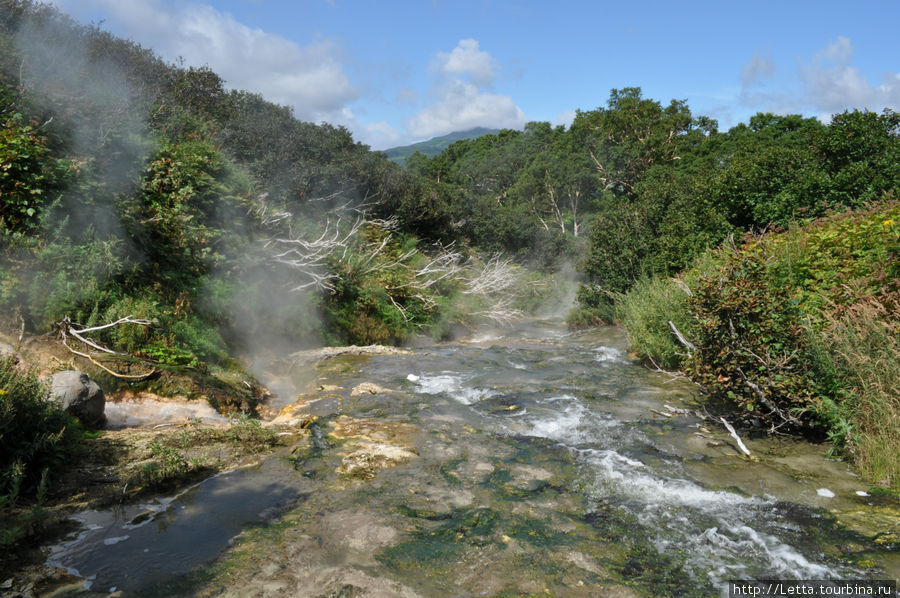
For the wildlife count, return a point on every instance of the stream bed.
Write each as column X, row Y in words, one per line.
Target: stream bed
column 532, row 461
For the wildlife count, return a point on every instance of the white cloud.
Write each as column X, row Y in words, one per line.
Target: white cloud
column 759, row 67
column 828, row 83
column 308, row 78
column 467, row 58
column 380, row 135
column 833, row 84
column 408, row 96
column 462, row 106
column 840, row 49
column 565, row 118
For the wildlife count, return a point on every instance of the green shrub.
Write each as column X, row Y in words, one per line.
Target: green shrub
column 37, row 438
column 801, row 328
column 250, row 434
column 596, row 306
column 834, row 262
column 27, row 172
column 167, row 467
column 582, row 317
column 60, row 278
column 750, row 343
column 35, row 434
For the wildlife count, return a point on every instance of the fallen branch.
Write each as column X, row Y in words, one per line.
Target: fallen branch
column 737, row 438
column 687, row 344
column 66, row 328
column 106, row 369
column 672, row 375
column 77, row 333
column 786, row 418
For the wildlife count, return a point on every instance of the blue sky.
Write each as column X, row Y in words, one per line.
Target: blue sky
column 396, row 72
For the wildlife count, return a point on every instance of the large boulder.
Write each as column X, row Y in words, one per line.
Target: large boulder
column 80, row 396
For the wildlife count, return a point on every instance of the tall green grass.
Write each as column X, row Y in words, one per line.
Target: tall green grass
column 646, row 310
column 862, row 347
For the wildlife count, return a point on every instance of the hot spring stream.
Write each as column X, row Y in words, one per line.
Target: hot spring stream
column 531, row 462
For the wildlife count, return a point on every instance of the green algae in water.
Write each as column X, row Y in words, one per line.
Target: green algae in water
column 446, row 470
column 436, row 547
column 644, row 565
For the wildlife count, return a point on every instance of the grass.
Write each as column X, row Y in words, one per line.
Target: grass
column 645, row 312
column 174, row 458
column 863, row 347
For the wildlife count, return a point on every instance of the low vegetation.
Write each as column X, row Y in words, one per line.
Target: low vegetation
column 795, row 330
column 37, row 440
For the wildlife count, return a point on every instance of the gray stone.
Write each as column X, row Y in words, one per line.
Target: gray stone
column 80, row 396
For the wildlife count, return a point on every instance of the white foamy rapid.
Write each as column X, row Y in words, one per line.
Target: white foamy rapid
column 608, row 354
column 452, row 385
column 722, row 535
column 562, row 418
column 721, row 529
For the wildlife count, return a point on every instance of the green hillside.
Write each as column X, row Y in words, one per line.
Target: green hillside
column 435, row 145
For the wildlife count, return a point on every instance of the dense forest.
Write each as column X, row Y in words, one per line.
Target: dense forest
column 761, row 261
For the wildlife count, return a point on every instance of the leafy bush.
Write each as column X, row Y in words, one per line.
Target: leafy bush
column 27, row 172
column 167, row 467
column 37, row 438
column 834, row 262
column 582, row 317
column 750, row 343
column 250, row 434
column 371, row 300
column 35, row 434
column 797, row 329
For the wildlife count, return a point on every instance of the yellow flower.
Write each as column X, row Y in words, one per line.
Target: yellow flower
column 2, row 392
column 888, row 223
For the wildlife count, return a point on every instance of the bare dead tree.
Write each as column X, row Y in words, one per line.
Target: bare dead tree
column 340, row 242
column 498, row 282
column 309, row 258
column 495, row 276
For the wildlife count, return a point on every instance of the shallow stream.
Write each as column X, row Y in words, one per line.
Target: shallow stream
column 528, row 462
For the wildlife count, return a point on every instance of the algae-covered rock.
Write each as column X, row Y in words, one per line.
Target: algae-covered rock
column 370, row 457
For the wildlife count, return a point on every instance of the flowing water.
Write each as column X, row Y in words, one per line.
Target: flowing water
column 528, row 462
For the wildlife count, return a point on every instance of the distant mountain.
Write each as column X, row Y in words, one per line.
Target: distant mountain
column 435, row 145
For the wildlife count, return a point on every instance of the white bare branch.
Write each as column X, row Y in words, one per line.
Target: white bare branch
column 496, row 276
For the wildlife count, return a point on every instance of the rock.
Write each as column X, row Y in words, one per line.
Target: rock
column 367, row 388
column 371, row 457
column 374, row 429
column 79, row 396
